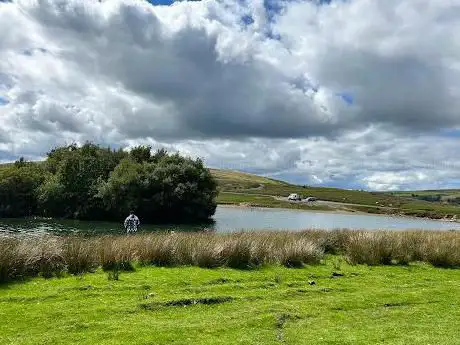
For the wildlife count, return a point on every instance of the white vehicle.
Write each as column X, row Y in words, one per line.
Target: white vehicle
column 294, row 196
column 310, row 198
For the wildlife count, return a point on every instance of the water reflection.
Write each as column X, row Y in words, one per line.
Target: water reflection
column 228, row 219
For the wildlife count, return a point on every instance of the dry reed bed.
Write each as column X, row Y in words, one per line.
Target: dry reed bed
column 46, row 255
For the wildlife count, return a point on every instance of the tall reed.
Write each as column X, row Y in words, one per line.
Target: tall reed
column 441, row 249
column 46, row 255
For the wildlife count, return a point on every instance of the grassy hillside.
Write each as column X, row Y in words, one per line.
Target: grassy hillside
column 242, row 188
column 234, row 181
column 443, row 195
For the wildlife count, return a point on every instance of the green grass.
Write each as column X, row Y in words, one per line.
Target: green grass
column 443, row 192
column 415, row 304
column 238, row 179
column 444, row 195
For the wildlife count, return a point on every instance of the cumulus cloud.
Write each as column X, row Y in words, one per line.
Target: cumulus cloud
column 348, row 93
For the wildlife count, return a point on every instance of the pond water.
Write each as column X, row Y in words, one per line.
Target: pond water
column 228, row 219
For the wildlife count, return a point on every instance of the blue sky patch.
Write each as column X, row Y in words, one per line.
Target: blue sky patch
column 3, row 101
column 450, row 132
column 161, row 2
column 7, row 156
column 247, row 20
column 273, row 8
column 347, row 97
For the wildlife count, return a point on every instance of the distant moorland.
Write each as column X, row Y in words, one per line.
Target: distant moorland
column 251, row 190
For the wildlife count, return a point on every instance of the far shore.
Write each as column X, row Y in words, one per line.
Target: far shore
column 335, row 211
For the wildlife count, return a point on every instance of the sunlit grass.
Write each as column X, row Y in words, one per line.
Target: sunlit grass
column 328, row 303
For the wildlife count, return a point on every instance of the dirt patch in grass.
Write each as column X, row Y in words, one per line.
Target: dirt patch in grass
column 187, row 302
column 223, row 281
column 406, row 304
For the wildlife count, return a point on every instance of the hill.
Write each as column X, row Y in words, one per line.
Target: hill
column 252, row 190
column 439, row 195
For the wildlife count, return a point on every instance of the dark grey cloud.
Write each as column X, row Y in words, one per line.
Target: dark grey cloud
column 206, row 96
column 192, row 77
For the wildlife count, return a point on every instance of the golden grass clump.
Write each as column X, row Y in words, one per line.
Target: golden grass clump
column 46, row 255
column 80, row 254
column 441, row 249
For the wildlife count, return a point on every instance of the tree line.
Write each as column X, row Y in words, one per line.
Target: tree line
column 90, row 182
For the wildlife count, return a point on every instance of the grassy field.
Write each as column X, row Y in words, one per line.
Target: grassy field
column 241, row 188
column 329, row 303
column 310, row 287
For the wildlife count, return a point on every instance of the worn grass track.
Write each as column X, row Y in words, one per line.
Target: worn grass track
column 415, row 304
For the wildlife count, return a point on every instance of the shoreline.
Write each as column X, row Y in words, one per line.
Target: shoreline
column 337, row 211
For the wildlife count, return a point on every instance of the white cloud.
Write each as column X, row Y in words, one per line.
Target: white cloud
column 195, row 77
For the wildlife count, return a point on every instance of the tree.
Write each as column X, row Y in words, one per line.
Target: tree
column 78, row 172
column 141, row 154
column 18, row 186
column 91, row 182
column 170, row 190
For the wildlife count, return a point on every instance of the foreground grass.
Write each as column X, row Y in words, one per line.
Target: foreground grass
column 329, row 303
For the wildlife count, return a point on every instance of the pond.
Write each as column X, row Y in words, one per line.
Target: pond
column 228, row 219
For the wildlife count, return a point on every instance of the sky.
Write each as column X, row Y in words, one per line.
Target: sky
column 358, row 94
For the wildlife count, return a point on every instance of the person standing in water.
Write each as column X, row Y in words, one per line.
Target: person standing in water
column 131, row 222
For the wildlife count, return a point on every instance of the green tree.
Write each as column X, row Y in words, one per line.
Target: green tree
column 141, row 154
column 78, row 172
column 51, row 198
column 170, row 190
column 18, row 186
column 91, row 182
